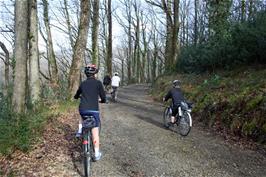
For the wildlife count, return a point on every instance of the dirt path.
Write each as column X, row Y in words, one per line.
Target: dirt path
column 134, row 143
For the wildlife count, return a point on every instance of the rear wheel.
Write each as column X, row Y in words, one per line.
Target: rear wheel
column 113, row 95
column 184, row 124
column 87, row 155
column 167, row 117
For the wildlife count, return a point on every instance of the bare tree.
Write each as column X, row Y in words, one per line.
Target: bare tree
column 21, row 55
column 80, row 46
column 196, row 8
column 68, row 23
column 50, row 50
column 171, row 11
column 6, row 62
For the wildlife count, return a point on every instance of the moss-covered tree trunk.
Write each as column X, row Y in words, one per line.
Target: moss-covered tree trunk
column 109, row 47
column 168, row 44
column 21, row 55
column 34, row 54
column 80, row 47
column 175, row 31
column 95, row 31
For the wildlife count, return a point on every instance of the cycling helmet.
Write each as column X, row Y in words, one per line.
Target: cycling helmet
column 116, row 73
column 90, row 70
column 176, row 83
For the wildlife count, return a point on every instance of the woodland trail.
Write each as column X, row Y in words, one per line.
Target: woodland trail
column 134, row 143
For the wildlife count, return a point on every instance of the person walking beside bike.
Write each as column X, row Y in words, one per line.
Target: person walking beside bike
column 115, row 84
column 177, row 97
column 89, row 92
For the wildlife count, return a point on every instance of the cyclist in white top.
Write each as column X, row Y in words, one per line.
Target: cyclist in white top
column 115, row 84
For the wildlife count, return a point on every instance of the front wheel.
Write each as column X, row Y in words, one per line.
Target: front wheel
column 184, row 124
column 167, row 117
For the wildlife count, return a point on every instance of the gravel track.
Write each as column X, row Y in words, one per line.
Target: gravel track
column 135, row 144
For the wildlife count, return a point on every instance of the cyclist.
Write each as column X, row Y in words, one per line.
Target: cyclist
column 106, row 82
column 115, row 83
column 89, row 92
column 176, row 95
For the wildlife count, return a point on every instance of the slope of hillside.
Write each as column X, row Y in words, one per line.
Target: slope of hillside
column 231, row 102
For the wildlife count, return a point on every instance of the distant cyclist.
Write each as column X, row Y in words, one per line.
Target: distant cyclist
column 89, row 92
column 115, row 84
column 107, row 82
column 177, row 97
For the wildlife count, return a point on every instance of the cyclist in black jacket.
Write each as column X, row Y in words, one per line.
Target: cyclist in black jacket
column 106, row 82
column 89, row 92
column 177, row 97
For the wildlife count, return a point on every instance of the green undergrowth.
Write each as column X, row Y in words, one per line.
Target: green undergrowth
column 229, row 101
column 20, row 131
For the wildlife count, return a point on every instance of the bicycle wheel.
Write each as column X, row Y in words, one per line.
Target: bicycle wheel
column 184, row 124
column 92, row 151
column 167, row 117
column 87, row 154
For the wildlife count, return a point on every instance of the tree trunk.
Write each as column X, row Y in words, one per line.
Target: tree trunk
column 243, row 10
column 175, row 31
column 122, row 74
column 196, row 6
column 169, row 32
column 129, row 58
column 80, row 47
column 109, row 48
column 154, row 61
column 144, row 69
column 251, row 9
column 95, row 31
column 50, row 50
column 21, row 55
column 6, row 62
column 34, row 53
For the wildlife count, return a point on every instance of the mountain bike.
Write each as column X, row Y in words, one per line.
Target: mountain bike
column 183, row 119
column 88, row 123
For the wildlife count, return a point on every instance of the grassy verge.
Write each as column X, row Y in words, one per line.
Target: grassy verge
column 232, row 102
column 20, row 131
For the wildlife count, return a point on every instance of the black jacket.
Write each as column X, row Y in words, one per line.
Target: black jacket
column 90, row 90
column 176, row 95
column 106, row 80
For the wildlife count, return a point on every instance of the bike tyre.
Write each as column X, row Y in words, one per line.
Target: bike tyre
column 166, row 116
column 184, row 124
column 87, row 156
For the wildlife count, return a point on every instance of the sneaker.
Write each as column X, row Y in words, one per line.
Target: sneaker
column 96, row 158
column 78, row 135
